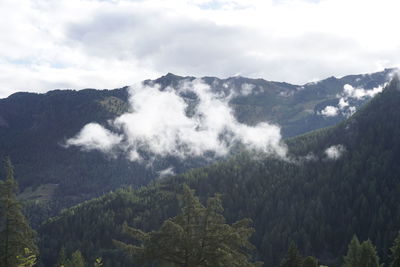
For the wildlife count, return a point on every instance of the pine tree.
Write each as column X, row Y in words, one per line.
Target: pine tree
column 352, row 259
column 395, row 252
column 369, row 256
column 76, row 260
column 28, row 259
column 15, row 233
column 62, row 258
column 198, row 236
column 310, row 262
column 293, row 257
column 98, row 262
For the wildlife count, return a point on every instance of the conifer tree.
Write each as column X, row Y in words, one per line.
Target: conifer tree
column 15, row 233
column 28, row 259
column 98, row 262
column 310, row 262
column 395, row 252
column 352, row 259
column 361, row 255
column 369, row 256
column 198, row 236
column 76, row 260
column 293, row 257
column 62, row 258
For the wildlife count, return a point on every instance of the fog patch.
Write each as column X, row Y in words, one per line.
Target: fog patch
column 93, row 136
column 360, row 93
column 329, row 111
column 247, row 89
column 349, row 94
column 166, row 172
column 335, row 152
column 159, row 125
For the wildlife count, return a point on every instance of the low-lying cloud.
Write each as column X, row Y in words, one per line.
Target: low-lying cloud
column 166, row 172
column 95, row 137
column 330, row 111
column 335, row 152
column 247, row 89
column 349, row 92
column 360, row 93
column 165, row 123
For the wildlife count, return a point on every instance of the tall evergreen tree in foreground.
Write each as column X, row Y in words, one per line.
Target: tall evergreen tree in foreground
column 76, row 260
column 62, row 258
column 293, row 257
column 17, row 239
column 352, row 259
column 369, row 256
column 310, row 262
column 28, row 259
column 198, row 236
column 361, row 255
column 395, row 250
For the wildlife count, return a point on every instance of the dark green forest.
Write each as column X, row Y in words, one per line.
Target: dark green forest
column 34, row 127
column 319, row 203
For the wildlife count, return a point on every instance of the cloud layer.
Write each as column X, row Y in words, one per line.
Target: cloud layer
column 335, row 152
column 349, row 93
column 164, row 123
column 112, row 43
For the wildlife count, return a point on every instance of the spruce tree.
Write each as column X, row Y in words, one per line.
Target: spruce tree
column 28, row 259
column 62, row 258
column 395, row 252
column 293, row 257
column 198, row 236
column 98, row 262
column 310, row 262
column 369, row 256
column 352, row 259
column 15, row 233
column 76, row 260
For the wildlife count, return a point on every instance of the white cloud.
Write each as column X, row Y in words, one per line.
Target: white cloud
column 166, row 172
column 95, row 137
column 335, row 152
column 108, row 44
column 360, row 93
column 349, row 92
column 343, row 103
column 159, row 125
column 330, row 111
column 247, row 89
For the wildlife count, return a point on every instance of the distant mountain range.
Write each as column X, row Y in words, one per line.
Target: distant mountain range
column 34, row 127
column 335, row 182
column 295, row 108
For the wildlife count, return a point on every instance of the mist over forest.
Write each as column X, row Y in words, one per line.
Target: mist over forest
column 199, row 133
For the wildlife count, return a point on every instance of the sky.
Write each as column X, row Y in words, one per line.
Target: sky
column 59, row 44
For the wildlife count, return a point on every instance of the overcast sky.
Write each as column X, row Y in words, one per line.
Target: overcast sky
column 77, row 44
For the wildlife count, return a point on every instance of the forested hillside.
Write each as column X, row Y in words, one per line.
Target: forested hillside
column 337, row 182
column 34, row 128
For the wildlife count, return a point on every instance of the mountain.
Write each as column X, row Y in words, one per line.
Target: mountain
column 294, row 107
column 337, row 182
column 34, row 128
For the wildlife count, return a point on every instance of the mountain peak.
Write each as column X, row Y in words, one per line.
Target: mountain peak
column 170, row 75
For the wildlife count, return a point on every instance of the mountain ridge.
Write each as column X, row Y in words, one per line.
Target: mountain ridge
column 33, row 128
column 320, row 203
